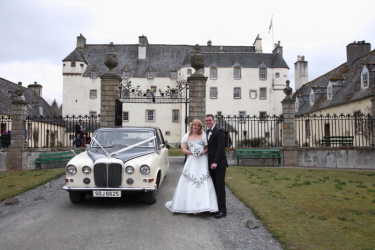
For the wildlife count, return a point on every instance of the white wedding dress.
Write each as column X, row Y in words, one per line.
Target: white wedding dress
column 195, row 192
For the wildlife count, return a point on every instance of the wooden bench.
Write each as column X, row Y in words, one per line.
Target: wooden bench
column 258, row 154
column 337, row 140
column 54, row 157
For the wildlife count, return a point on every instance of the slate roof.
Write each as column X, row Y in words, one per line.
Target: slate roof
column 346, row 81
column 30, row 96
column 164, row 58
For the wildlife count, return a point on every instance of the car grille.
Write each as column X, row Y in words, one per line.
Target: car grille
column 108, row 175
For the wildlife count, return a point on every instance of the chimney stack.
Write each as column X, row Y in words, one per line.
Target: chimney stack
column 258, row 44
column 37, row 88
column 301, row 74
column 355, row 50
column 142, row 47
column 81, row 42
column 209, row 43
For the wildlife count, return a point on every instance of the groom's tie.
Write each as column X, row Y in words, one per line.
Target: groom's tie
column 208, row 133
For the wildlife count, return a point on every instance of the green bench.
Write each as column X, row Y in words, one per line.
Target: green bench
column 258, row 154
column 336, row 140
column 54, row 157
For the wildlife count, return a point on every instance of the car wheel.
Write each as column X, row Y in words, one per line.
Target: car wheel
column 76, row 197
column 150, row 197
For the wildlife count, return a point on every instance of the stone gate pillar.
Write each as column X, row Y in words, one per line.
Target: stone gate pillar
column 14, row 159
column 110, row 90
column 290, row 153
column 197, row 88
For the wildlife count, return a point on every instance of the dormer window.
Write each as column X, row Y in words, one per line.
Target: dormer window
column 262, row 73
column 237, row 71
column 213, row 73
column 173, row 74
column 126, row 72
column 329, row 91
column 364, row 78
column 94, row 74
column 311, row 97
column 296, row 105
column 150, row 73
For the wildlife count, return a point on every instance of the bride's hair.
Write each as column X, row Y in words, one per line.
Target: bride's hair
column 196, row 122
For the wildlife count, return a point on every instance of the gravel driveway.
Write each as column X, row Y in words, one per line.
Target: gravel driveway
column 132, row 217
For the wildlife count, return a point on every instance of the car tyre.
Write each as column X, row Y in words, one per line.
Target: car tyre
column 150, row 197
column 76, row 197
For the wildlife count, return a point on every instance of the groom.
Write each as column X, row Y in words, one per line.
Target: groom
column 217, row 162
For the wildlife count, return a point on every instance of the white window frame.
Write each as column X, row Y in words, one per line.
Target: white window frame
column 150, row 115
column 262, row 73
column 213, row 93
column 125, row 116
column 188, row 72
column 296, row 105
column 94, row 74
column 329, row 91
column 175, row 115
column 311, row 97
column 236, row 93
column 237, row 73
column 173, row 74
column 262, row 93
column 126, row 74
column 364, row 78
column 93, row 94
column 150, row 74
column 213, row 73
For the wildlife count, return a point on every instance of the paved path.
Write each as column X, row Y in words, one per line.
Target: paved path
column 46, row 219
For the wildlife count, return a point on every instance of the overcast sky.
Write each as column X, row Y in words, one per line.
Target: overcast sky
column 36, row 35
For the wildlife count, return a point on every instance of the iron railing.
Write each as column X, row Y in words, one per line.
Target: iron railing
column 50, row 132
column 316, row 130
column 251, row 131
column 6, row 131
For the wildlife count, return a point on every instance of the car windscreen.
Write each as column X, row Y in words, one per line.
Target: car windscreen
column 124, row 138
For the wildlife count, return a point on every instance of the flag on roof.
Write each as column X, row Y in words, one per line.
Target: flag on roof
column 270, row 26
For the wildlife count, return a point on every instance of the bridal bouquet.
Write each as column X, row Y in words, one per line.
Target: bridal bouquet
column 197, row 149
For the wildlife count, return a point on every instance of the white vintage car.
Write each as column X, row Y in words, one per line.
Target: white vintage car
column 119, row 159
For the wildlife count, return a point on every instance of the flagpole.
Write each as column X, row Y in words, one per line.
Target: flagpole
column 272, row 34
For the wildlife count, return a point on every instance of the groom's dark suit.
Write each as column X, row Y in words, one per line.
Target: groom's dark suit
column 216, row 154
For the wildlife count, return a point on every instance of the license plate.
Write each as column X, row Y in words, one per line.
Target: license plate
column 106, row 193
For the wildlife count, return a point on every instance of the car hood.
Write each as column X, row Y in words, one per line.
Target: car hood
column 124, row 156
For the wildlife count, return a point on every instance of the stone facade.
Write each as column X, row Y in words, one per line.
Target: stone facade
column 109, row 93
column 197, row 97
column 14, row 160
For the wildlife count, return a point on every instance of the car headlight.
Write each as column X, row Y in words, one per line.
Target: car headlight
column 86, row 170
column 129, row 170
column 71, row 169
column 145, row 169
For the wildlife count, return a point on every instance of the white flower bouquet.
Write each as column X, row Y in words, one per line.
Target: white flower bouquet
column 197, row 149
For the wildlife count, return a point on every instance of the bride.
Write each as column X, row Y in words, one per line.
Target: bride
column 195, row 192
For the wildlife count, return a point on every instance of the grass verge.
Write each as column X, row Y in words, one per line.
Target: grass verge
column 15, row 183
column 310, row 209
column 175, row 152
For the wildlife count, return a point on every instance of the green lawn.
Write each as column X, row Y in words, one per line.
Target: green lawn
column 17, row 182
column 310, row 209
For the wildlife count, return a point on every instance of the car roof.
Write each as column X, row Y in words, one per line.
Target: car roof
column 128, row 128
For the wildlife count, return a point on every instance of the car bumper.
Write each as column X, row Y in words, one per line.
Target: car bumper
column 148, row 189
